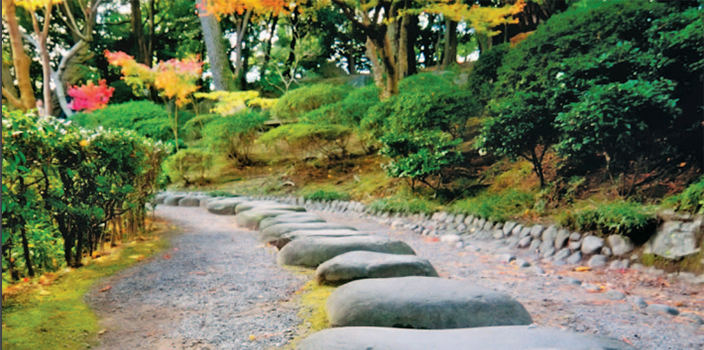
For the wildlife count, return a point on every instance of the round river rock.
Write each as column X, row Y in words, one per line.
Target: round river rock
column 362, row 264
column 311, row 252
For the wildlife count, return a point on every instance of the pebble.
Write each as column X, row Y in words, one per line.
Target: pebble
column 614, row 294
column 575, row 258
column 573, row 281
column 665, row 309
column 524, row 242
column 522, row 263
column 692, row 317
column 639, row 302
column 597, row 261
column 537, row 270
column 507, row 258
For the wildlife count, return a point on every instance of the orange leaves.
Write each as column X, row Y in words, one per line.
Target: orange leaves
column 582, row 268
column 176, row 79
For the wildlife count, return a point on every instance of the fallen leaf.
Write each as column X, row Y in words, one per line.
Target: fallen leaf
column 252, row 338
column 106, row 289
column 167, row 256
column 102, row 331
column 582, row 268
column 201, row 273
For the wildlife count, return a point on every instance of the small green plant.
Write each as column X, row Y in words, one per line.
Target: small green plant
column 327, row 195
column 499, row 206
column 307, row 139
column 221, row 193
column 406, row 203
column 691, row 200
column 626, row 218
column 234, row 135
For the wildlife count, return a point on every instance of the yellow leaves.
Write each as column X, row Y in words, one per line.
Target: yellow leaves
column 582, row 268
column 222, row 8
column 229, row 102
column 482, row 19
column 83, row 143
column 32, row 5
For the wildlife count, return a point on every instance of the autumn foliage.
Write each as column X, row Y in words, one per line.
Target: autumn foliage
column 90, row 97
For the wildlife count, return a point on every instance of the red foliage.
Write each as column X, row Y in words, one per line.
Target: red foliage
column 90, row 97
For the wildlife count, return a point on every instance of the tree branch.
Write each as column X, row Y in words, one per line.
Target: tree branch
column 12, row 98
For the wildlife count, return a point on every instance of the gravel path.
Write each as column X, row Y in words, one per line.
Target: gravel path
column 554, row 301
column 220, row 286
column 213, row 289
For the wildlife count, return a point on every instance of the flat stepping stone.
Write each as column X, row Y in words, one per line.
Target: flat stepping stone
column 251, row 218
column 225, row 206
column 249, row 205
column 288, row 237
column 273, row 233
column 207, row 200
column 488, row 338
column 190, row 201
column 362, row 264
column 422, row 303
column 294, row 218
column 173, row 199
column 160, row 197
column 311, row 252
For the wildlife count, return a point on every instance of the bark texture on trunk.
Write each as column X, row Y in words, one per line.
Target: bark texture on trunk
column 223, row 78
column 450, row 52
column 20, row 60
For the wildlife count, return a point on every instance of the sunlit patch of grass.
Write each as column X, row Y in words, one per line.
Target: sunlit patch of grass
column 55, row 316
column 312, row 312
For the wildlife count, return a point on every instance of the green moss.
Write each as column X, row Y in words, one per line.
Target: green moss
column 312, row 312
column 499, row 206
column 405, row 202
column 326, row 195
column 48, row 317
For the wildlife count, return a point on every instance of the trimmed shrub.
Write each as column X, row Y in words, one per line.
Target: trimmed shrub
column 234, row 135
column 189, row 165
column 327, row 195
column 295, row 103
column 308, row 139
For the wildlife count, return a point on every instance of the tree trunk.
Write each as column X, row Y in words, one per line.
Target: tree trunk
column 387, row 59
column 219, row 64
column 450, row 52
column 267, row 48
column 410, row 27
column 19, row 58
column 377, row 71
column 138, row 32
column 241, row 33
column 46, row 75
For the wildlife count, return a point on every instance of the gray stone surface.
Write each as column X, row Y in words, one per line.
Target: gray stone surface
column 613, row 294
column 606, row 251
column 173, row 199
column 574, row 245
column 674, row 239
column 575, row 258
column 536, row 231
column 160, row 197
column 207, row 200
column 225, row 206
column 251, row 218
column 525, row 232
column 597, row 261
column 190, row 201
column 562, row 254
column 508, row 227
column 266, row 205
column 620, row 245
column 534, row 245
column 561, row 239
column 290, row 219
column 489, row 338
column 274, row 232
column 592, row 244
column 547, row 248
column 311, row 252
column 288, row 237
column 664, row 309
column 550, row 234
column 575, row 236
column 422, row 303
column 363, row 264
column 525, row 242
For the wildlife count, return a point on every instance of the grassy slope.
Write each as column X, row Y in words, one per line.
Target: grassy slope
column 53, row 315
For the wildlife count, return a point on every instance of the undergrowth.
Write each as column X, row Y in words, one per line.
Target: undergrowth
column 627, row 218
column 499, row 206
column 48, row 311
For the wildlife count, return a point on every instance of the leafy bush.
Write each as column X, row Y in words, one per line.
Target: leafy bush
column 485, row 72
column 327, row 195
column 691, row 200
column 61, row 184
column 295, row 103
column 221, row 193
column 309, row 139
column 148, row 119
column 349, row 111
column 234, row 135
column 189, row 165
column 404, row 203
column 420, row 156
column 495, row 206
column 626, row 218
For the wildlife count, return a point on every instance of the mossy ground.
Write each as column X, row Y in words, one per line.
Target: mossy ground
column 42, row 315
column 312, row 313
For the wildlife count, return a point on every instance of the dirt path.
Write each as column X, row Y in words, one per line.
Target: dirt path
column 213, row 289
column 219, row 285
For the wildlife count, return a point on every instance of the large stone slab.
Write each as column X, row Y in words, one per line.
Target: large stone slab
column 362, row 264
column 251, row 218
column 190, row 201
column 422, row 303
column 489, row 338
column 160, row 197
column 266, row 205
column 311, row 252
column 274, row 232
column 336, row 233
column 207, row 200
column 675, row 239
column 294, row 218
column 172, row 199
column 225, row 206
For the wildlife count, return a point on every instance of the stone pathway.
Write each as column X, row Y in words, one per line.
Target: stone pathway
column 483, row 283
